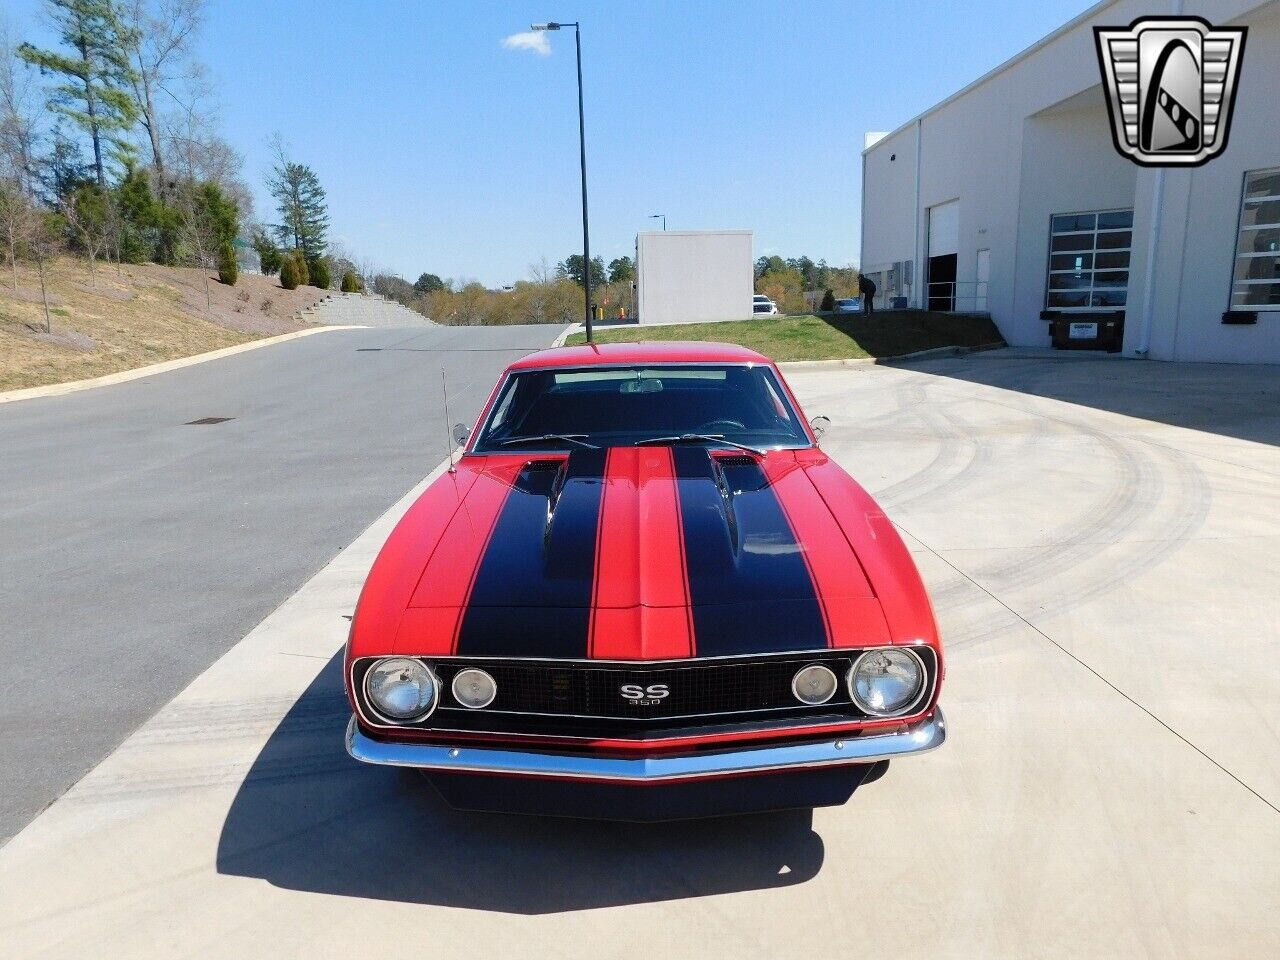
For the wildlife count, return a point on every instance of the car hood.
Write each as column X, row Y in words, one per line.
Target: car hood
column 632, row 553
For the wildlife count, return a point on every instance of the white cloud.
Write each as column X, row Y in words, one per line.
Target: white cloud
column 534, row 40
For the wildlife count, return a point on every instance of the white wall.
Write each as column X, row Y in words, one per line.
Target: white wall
column 888, row 189
column 690, row 276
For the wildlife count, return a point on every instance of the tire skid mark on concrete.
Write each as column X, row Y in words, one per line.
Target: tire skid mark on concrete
column 1123, row 507
column 1190, row 498
column 947, row 457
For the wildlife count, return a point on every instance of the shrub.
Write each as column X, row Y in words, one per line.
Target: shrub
column 268, row 253
column 319, row 273
column 828, row 302
column 228, row 269
column 289, row 273
column 351, row 283
column 300, row 267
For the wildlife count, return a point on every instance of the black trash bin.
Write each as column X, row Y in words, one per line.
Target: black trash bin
column 1087, row 331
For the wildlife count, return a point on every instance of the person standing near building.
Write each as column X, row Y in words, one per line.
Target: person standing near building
column 867, row 287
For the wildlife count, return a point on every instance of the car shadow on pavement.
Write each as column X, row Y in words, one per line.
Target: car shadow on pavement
column 308, row 817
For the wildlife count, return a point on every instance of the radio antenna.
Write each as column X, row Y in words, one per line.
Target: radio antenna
column 448, row 437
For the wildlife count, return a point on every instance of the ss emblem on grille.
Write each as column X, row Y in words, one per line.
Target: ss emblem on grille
column 644, row 696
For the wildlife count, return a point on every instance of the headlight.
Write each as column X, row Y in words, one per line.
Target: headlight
column 814, row 684
column 886, row 682
column 401, row 688
column 474, row 688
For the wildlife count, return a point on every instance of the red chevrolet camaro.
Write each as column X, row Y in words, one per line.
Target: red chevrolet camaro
column 643, row 593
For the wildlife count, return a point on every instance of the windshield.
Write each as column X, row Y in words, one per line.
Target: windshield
column 621, row 406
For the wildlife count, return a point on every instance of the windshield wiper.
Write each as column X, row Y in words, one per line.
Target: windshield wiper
column 566, row 437
column 700, row 438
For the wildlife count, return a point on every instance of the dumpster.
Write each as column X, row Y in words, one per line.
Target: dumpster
column 1087, row 331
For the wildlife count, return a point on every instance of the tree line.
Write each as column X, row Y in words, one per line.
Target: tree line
column 799, row 284
column 109, row 149
column 551, row 294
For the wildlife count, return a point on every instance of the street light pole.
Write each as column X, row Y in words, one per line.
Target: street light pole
column 582, row 154
column 655, row 216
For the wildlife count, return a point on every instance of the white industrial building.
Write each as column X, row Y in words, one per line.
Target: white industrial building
column 1014, row 199
column 691, row 276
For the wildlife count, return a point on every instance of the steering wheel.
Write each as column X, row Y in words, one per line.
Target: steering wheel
column 710, row 425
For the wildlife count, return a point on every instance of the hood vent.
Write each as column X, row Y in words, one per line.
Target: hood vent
column 544, row 464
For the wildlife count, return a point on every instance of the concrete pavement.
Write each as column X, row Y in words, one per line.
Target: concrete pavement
column 138, row 547
column 1104, row 574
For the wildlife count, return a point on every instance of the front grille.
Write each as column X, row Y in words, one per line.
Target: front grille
column 585, row 698
column 701, row 690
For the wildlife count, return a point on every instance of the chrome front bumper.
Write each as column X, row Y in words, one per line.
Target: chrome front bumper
column 924, row 735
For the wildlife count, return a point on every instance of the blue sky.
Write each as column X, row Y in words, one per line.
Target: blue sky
column 443, row 151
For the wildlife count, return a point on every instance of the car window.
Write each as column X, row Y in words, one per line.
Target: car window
column 617, row 406
column 763, row 307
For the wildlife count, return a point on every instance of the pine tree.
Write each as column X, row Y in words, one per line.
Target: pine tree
column 320, row 275
column 138, row 216
column 350, row 282
column 269, row 258
column 228, row 269
column 94, row 93
column 289, row 273
column 300, row 267
column 304, row 219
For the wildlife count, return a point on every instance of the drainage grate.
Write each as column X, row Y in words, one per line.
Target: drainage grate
column 206, row 421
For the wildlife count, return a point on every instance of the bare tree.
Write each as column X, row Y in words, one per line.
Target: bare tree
column 19, row 220
column 541, row 272
column 159, row 38
column 197, row 153
column 19, row 113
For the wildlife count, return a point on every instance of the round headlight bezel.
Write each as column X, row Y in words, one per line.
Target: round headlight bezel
column 380, row 712
column 795, row 680
column 921, row 691
column 453, row 688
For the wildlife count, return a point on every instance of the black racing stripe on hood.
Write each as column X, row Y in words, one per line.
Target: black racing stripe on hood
column 532, row 593
column 748, row 581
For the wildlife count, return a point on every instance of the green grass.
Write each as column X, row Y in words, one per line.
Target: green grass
column 848, row 336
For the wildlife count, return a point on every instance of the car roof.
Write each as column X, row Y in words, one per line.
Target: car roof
column 670, row 351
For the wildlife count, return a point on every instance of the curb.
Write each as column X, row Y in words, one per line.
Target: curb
column 565, row 334
column 918, row 355
column 124, row 376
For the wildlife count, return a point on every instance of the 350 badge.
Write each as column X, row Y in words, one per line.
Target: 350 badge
column 644, row 696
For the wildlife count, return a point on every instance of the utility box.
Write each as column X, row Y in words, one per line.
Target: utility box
column 691, row 276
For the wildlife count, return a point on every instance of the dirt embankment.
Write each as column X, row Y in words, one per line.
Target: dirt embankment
column 119, row 318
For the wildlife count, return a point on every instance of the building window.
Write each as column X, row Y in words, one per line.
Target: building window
column 1256, row 283
column 1089, row 260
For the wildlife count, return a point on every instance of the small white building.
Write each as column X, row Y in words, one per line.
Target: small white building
column 691, row 276
column 1009, row 197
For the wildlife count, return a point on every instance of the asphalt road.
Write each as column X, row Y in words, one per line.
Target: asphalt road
column 138, row 548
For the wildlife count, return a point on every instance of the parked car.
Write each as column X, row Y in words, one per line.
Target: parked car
column 643, row 592
column 764, row 307
column 849, row 305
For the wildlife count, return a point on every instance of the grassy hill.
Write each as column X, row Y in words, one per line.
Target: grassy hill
column 890, row 333
column 118, row 319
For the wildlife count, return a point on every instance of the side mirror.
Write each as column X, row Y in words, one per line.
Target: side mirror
column 819, row 425
column 461, row 432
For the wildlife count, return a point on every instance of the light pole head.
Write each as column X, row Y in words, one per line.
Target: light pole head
column 544, row 26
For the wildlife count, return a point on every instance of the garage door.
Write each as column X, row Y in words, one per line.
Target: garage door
column 944, row 229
